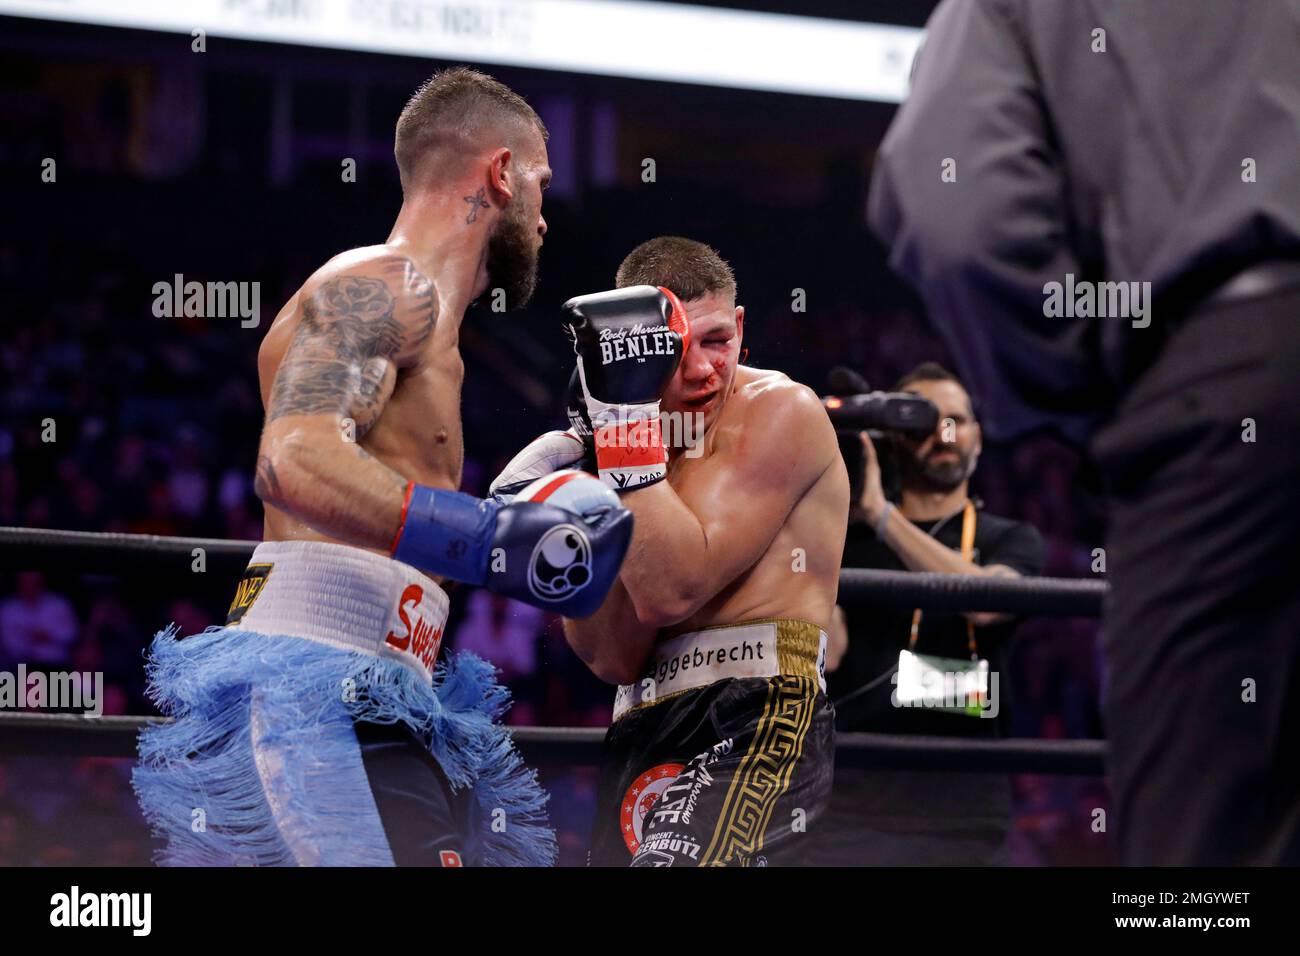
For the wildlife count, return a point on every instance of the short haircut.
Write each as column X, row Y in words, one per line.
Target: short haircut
column 458, row 109
column 934, row 372
column 689, row 269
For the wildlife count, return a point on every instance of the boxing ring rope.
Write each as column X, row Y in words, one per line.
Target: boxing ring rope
column 1041, row 597
column 84, row 552
column 74, row 735
column 38, row 549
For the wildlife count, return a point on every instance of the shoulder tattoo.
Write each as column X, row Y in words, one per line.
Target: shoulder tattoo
column 352, row 330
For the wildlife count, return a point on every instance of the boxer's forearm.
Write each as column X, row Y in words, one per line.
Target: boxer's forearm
column 612, row 642
column 684, row 553
column 334, row 486
column 665, row 571
column 333, row 382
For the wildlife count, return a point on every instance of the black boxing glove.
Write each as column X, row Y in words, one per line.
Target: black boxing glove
column 575, row 409
column 629, row 343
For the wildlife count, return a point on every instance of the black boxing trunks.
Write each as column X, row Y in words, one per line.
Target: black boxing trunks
column 318, row 728
column 722, row 754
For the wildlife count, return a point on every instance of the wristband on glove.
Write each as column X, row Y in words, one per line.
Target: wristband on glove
column 549, row 557
column 629, row 443
column 445, row 533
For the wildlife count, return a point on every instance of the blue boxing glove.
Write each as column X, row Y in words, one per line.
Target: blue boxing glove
column 537, row 553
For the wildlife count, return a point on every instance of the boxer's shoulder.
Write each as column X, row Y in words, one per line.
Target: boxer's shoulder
column 399, row 273
column 378, row 291
column 770, row 416
column 772, row 398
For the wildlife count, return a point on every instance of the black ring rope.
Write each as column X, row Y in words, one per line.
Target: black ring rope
column 108, row 553
column 38, row 549
column 74, row 735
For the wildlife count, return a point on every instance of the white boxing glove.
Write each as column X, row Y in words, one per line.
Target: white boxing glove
column 551, row 452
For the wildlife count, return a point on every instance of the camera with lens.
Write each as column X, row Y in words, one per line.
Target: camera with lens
column 854, row 407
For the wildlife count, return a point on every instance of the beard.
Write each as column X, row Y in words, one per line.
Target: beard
column 930, row 475
column 512, row 257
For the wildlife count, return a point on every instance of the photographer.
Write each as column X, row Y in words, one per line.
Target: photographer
column 903, row 817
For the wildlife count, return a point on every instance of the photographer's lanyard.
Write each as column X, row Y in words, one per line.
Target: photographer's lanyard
column 967, row 552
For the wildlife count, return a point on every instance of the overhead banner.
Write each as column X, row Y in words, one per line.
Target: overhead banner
column 652, row 41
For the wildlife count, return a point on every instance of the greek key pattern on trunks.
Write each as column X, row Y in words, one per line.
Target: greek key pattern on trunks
column 765, row 771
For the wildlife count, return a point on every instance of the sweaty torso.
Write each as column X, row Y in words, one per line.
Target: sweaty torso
column 418, row 431
column 798, row 575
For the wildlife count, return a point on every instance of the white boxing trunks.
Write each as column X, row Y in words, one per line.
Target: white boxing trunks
column 317, row 727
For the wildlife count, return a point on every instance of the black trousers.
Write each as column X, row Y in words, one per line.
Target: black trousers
column 425, row 821
column 1202, row 629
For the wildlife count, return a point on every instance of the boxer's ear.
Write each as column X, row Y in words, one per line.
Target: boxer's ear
column 740, row 322
column 503, row 174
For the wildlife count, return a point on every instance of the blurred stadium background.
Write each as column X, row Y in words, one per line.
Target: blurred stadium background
column 226, row 165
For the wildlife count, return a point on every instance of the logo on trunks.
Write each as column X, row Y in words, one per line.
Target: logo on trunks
column 677, row 803
column 561, row 563
column 639, row 799
column 616, row 345
column 419, row 639
column 652, row 858
column 663, row 849
column 663, row 671
column 246, row 592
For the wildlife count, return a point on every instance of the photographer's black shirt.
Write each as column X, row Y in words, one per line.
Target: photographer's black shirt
column 877, row 633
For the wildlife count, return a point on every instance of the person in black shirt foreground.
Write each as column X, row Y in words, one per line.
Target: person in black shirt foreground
column 903, row 817
column 1150, row 148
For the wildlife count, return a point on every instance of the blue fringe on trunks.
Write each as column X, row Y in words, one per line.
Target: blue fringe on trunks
column 200, row 778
